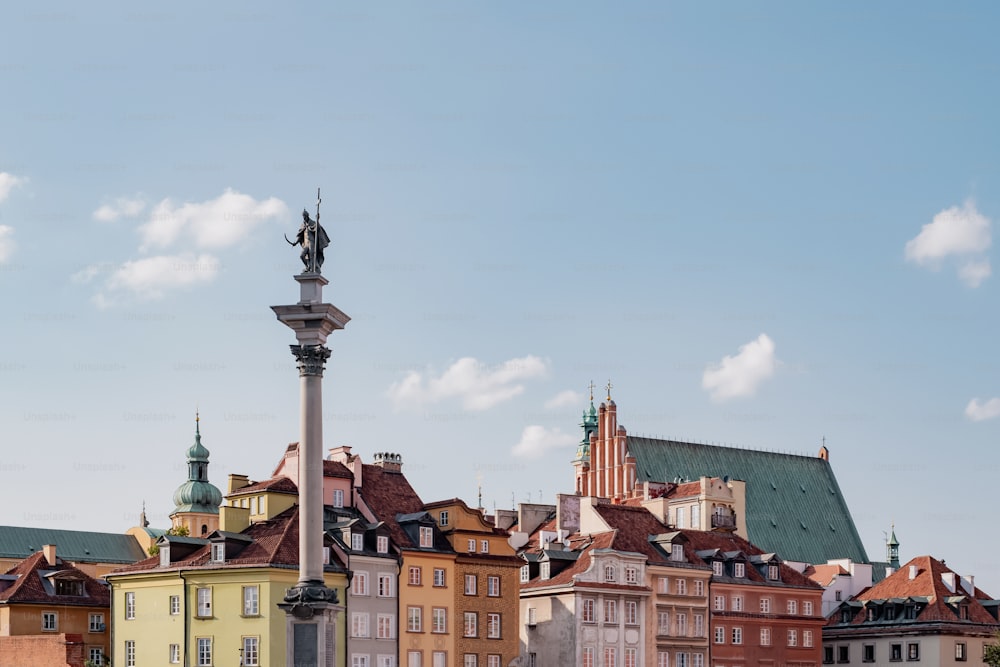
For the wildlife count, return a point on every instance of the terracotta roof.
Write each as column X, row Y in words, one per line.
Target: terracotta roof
column 274, row 485
column 928, row 584
column 336, row 469
column 387, row 494
column 582, row 564
column 686, row 490
column 727, row 542
column 633, row 526
column 824, row 574
column 31, row 586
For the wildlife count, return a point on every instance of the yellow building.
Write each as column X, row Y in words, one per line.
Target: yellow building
column 213, row 601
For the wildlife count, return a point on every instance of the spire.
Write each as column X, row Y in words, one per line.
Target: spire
column 197, row 494
column 143, row 521
column 892, row 548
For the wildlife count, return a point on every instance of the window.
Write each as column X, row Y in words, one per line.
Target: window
column 630, row 657
column 739, row 570
column 204, row 651
column 359, row 585
column 843, row 654
column 414, row 659
column 680, row 517
column 359, row 625
column 493, row 660
column 696, row 517
column 385, row 588
column 471, row 546
column 386, row 661
column 699, row 588
column 631, row 612
column 663, row 585
column 338, row 497
column 439, row 659
column 765, row 605
column 532, row 617
column 681, row 660
column 845, row 615
column 793, row 637
column 493, row 626
column 470, row 584
column 439, row 577
column 609, row 573
column 610, row 657
column 358, row 660
column 838, row 595
column 588, row 656
column 484, row 546
column 610, row 611
column 765, row 636
column 677, row 552
column 471, row 627
column 662, row 659
column 588, row 610
column 718, row 568
column 204, row 602
column 720, row 634
column 682, row 586
column 439, row 620
column 426, row 537
column 807, row 638
column 470, row 660
column 737, row 603
column 414, row 576
column 631, row 575
column 358, row 541
column 165, row 555
column 50, row 621
column 525, row 574
column 175, row 654
column 130, row 607
column 175, row 605
column 772, row 573
column 253, row 505
column 385, row 626
column 827, row 655
column 493, row 586
column 867, row 653
column 251, row 600
column 663, row 623
column 698, row 660
column 96, row 655
column 699, row 625
column 720, row 603
column 251, row 651
column 129, row 653
column 961, row 654
column 382, row 544
column 913, row 651
column 414, row 619
column 218, row 553
column 793, row 607
column 95, row 623
column 895, row 652
column 807, row 608
column 737, row 635
column 682, row 625
column 443, row 518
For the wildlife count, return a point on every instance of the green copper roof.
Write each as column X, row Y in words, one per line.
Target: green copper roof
column 794, row 504
column 74, row 545
column 197, row 494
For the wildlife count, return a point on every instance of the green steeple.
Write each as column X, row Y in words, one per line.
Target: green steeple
column 589, row 425
column 892, row 549
column 197, row 494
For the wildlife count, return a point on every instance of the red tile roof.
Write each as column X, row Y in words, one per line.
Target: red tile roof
column 274, row 485
column 29, row 586
column 824, row 574
column 387, row 494
column 706, row 540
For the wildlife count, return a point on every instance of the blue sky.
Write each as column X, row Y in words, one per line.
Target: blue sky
column 766, row 224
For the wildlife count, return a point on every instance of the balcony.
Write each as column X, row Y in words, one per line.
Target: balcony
column 724, row 521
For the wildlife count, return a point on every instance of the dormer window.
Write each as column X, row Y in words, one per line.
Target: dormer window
column 484, row 546
column 677, row 552
column 69, row 587
column 382, row 544
column 739, row 570
column 426, row 537
column 218, row 553
column 631, row 575
column 718, row 569
column 358, row 541
column 544, row 570
column 165, row 555
column 338, row 497
column 525, row 574
column 610, row 576
column 772, row 573
column 443, row 518
column 910, row 612
column 845, row 616
column 870, row 614
column 963, row 612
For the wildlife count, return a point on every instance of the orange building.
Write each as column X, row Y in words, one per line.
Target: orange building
column 45, row 597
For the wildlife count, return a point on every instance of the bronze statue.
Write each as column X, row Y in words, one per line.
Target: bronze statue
column 313, row 239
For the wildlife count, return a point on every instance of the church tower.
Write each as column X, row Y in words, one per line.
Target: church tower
column 197, row 500
column 581, row 464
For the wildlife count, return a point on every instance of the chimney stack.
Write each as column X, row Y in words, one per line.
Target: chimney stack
column 913, row 572
column 50, row 553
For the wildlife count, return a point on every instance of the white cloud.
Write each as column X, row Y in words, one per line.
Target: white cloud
column 977, row 411
column 740, row 375
column 212, row 224
column 564, row 399
column 479, row 386
column 8, row 182
column 960, row 232
column 536, row 441
column 122, row 207
column 7, row 244
column 151, row 276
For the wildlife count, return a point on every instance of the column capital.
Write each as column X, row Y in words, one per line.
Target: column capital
column 311, row 358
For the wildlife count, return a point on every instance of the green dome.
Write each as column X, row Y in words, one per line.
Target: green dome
column 197, row 494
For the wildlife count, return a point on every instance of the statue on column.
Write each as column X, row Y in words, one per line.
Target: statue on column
column 313, row 239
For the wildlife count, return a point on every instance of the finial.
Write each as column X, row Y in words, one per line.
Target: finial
column 197, row 421
column 609, row 387
column 591, row 387
column 479, row 485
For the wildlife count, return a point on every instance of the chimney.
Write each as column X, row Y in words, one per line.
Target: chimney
column 50, row 553
column 889, row 570
column 948, row 579
column 969, row 584
column 388, row 461
column 341, row 454
column 236, row 482
column 913, row 572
